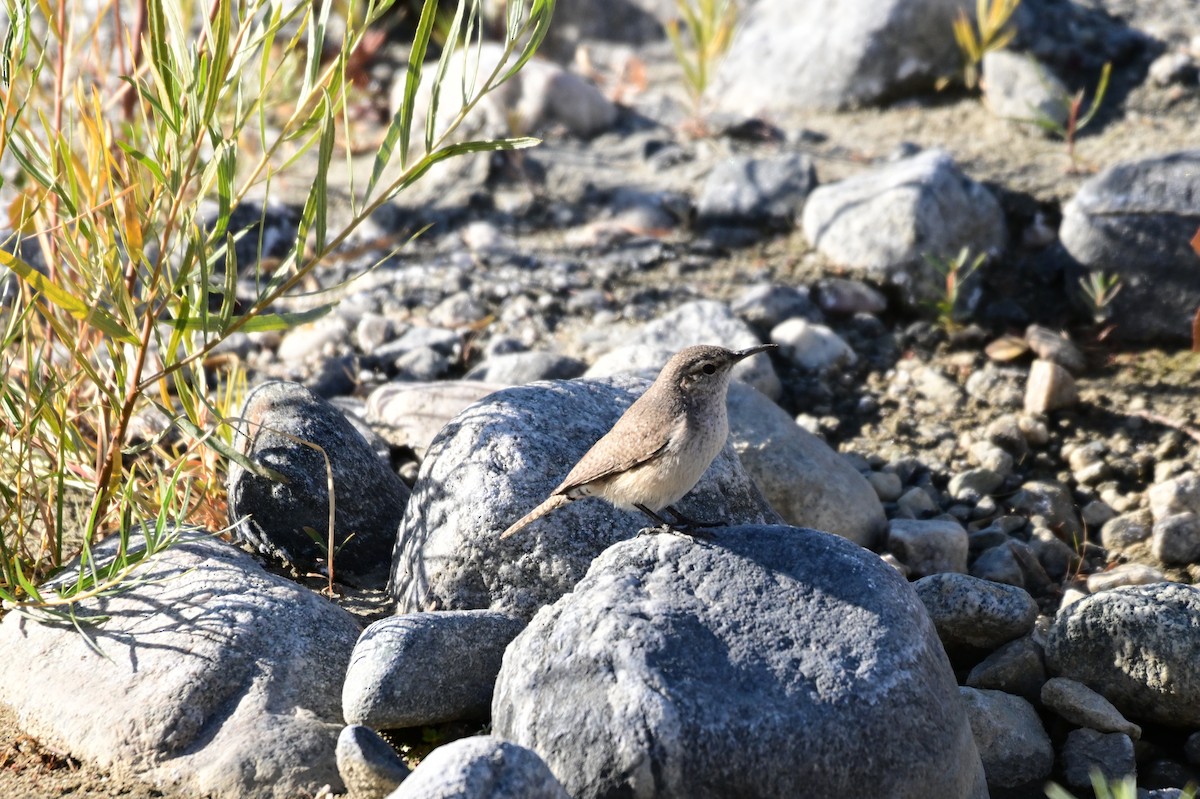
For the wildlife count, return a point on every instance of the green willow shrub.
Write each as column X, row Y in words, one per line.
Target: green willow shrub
column 120, row 144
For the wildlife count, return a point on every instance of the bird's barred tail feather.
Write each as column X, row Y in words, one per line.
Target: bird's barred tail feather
column 553, row 503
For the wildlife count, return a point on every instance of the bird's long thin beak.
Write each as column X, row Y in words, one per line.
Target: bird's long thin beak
column 746, row 353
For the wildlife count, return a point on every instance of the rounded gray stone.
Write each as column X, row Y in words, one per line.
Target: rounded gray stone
column 479, row 767
column 968, row 611
column 709, row 322
column 1180, row 494
column 368, row 765
column 1012, row 742
column 1017, row 667
column 518, row 368
column 999, row 565
column 812, row 346
column 1176, row 538
column 1019, row 88
column 886, row 222
column 426, row 668
column 1080, row 705
column 804, row 649
column 975, row 484
column 1150, row 671
column 928, row 547
column 498, row 459
column 760, row 192
column 1052, row 500
column 1127, row 529
column 790, row 56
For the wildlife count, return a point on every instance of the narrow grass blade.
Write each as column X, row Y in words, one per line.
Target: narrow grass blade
column 60, row 297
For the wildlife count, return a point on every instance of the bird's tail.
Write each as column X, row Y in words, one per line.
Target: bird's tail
column 553, row 503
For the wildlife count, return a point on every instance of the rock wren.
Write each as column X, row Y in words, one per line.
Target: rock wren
column 659, row 448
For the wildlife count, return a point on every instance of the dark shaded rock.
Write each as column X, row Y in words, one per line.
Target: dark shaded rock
column 1088, row 750
column 1135, row 221
column 1013, row 745
column 800, row 646
column 1018, row 668
column 260, row 233
column 1149, row 671
column 1080, row 705
column 272, row 516
column 767, row 304
column 426, row 668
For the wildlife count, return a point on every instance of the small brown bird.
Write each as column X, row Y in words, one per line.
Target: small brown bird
column 660, row 447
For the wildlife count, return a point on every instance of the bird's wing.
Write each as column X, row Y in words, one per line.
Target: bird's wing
column 642, row 442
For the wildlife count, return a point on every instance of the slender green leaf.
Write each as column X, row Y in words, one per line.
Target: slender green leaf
column 256, row 323
column 449, row 151
column 435, row 87
column 57, row 295
column 412, row 80
column 541, row 12
column 143, row 159
column 1097, row 98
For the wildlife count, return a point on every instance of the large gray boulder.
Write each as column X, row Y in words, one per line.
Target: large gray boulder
column 768, row 662
column 1135, row 221
column 795, row 55
column 888, row 222
column 278, row 423
column 497, row 460
column 805, row 481
column 1150, row 671
column 207, row 676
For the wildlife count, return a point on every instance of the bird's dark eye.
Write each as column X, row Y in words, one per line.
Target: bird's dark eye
column 709, row 369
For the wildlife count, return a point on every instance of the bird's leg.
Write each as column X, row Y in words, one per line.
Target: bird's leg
column 686, row 528
column 663, row 523
column 689, row 523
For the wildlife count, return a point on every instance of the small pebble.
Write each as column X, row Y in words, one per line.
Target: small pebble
column 1050, row 388
column 887, row 485
column 1125, row 574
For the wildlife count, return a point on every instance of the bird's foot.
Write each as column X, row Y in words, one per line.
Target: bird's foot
column 682, row 525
